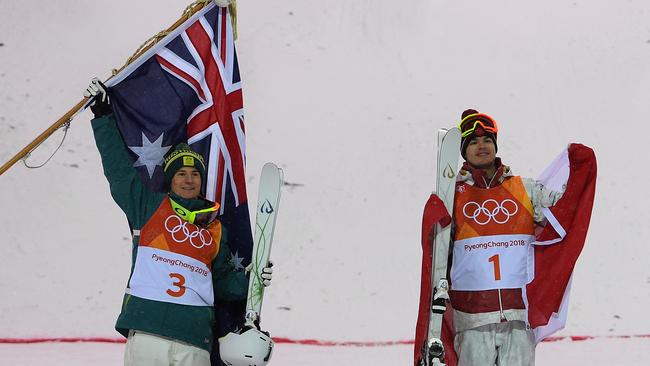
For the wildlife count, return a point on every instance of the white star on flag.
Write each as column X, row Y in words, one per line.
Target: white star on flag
column 150, row 154
column 236, row 261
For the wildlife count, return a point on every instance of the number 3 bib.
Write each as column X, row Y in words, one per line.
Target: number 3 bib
column 494, row 229
column 174, row 260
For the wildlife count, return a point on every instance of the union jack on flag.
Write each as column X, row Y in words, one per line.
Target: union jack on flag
column 187, row 88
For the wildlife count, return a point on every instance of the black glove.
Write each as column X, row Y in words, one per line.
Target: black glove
column 101, row 106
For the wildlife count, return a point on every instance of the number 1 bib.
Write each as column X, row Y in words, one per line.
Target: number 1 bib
column 494, row 229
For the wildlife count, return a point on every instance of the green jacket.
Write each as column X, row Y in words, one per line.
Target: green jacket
column 189, row 324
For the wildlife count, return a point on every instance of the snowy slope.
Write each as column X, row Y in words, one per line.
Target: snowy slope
column 346, row 97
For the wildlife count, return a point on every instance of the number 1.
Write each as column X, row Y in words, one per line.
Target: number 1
column 497, row 268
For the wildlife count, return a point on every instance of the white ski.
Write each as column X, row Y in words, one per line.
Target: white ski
column 250, row 345
column 447, row 169
column 267, row 209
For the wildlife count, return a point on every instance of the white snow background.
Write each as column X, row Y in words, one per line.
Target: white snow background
column 346, row 96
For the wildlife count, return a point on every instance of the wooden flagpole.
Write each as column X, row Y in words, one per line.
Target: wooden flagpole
column 189, row 11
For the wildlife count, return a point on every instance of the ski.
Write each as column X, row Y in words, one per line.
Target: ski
column 267, row 209
column 250, row 345
column 433, row 352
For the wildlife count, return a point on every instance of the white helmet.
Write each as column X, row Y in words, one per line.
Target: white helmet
column 251, row 347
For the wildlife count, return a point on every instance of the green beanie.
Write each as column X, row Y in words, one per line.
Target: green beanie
column 182, row 156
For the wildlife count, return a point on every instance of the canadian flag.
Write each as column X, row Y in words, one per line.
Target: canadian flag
column 558, row 246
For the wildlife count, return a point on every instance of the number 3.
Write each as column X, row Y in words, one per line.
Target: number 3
column 180, row 284
column 497, row 268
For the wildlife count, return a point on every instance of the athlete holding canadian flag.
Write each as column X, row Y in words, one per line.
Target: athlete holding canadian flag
column 502, row 225
column 494, row 214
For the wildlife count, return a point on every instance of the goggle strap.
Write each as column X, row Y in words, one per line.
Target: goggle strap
column 476, row 123
column 188, row 215
column 482, row 120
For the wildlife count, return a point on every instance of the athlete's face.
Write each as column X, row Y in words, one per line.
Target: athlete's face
column 481, row 152
column 186, row 182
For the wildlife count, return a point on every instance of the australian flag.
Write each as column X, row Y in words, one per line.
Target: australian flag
column 187, row 88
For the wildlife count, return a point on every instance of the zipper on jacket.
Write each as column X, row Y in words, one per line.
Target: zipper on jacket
column 503, row 316
column 489, row 185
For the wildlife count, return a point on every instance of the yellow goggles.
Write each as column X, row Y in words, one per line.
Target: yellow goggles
column 469, row 124
column 199, row 217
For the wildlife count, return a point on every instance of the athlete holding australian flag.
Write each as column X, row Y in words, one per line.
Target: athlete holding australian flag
column 179, row 256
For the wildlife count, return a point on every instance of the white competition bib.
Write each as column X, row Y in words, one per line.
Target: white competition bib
column 171, row 277
column 491, row 262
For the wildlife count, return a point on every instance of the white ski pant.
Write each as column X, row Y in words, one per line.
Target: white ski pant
column 501, row 344
column 144, row 349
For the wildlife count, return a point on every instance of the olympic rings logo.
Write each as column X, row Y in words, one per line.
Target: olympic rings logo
column 181, row 233
column 489, row 210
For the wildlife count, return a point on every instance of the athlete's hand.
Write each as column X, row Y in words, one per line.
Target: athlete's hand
column 267, row 274
column 437, row 211
column 101, row 106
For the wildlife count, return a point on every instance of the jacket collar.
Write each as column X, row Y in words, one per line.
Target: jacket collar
column 479, row 177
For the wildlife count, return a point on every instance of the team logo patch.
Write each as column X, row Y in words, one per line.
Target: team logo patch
column 188, row 161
